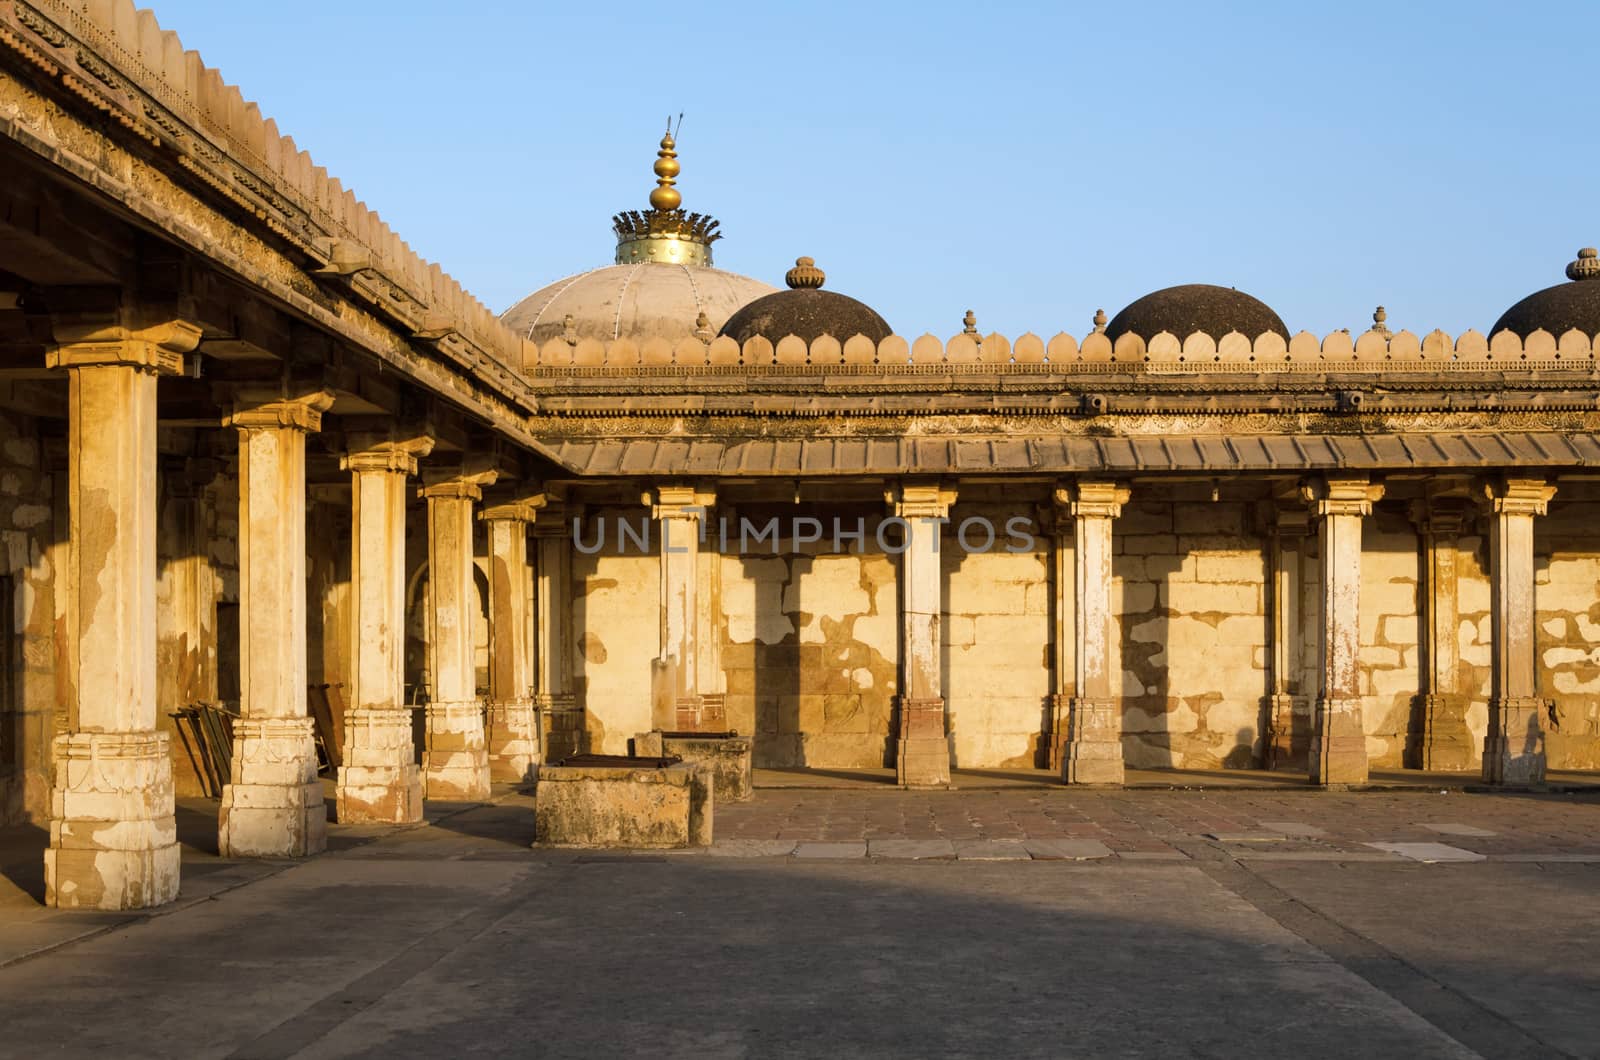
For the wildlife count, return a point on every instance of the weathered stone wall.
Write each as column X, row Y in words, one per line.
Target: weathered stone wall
column 1190, row 596
column 1391, row 632
column 996, row 637
column 1567, row 621
column 30, row 695
column 615, row 616
column 812, row 643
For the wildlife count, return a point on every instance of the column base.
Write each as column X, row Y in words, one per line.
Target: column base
column 273, row 806
column 113, row 838
column 379, row 782
column 1288, row 732
column 922, row 751
column 1338, row 753
column 1090, row 749
column 512, row 737
column 455, row 766
column 562, row 724
column 1440, row 740
column 1514, row 752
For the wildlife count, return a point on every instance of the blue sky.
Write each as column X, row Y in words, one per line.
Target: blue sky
column 1030, row 161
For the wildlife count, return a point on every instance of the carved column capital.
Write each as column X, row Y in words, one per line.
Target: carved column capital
column 679, row 502
column 1503, row 495
column 1340, row 495
column 96, row 326
column 524, row 509
column 1094, row 500
column 1440, row 516
column 908, row 500
column 457, row 485
column 261, row 411
column 384, row 452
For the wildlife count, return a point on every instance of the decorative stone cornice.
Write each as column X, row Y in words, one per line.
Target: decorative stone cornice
column 255, row 412
column 910, row 500
column 1340, row 495
column 1517, row 496
column 1090, row 500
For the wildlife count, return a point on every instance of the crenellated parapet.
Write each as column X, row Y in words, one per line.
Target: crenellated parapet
column 118, row 59
column 1370, row 351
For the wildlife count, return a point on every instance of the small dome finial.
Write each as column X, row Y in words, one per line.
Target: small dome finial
column 1379, row 318
column 702, row 327
column 1100, row 320
column 805, row 274
column 665, row 196
column 1587, row 267
column 969, row 323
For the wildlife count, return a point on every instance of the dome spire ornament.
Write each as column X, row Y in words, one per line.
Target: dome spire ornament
column 1380, row 322
column 1587, row 267
column 805, row 275
column 665, row 233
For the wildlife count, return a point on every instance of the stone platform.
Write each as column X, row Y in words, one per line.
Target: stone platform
column 726, row 755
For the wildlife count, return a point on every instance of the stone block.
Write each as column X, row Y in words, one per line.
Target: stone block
column 726, row 758
column 624, row 806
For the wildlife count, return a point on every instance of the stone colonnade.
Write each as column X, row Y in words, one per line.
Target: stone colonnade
column 113, row 839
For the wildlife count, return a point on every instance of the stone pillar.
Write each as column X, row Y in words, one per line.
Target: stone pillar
column 1439, row 738
column 922, row 750
column 678, row 702
column 113, row 840
column 1513, row 750
column 456, row 762
column 379, row 781
column 186, row 607
column 1288, row 709
column 563, row 725
column 1063, row 627
column 513, row 725
column 272, row 805
column 1091, row 738
column 1338, row 752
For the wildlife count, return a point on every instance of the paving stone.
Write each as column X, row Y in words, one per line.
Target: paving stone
column 1428, row 853
column 1152, row 855
column 1458, row 829
column 1246, row 837
column 1066, row 849
column 831, row 850
column 1299, row 829
column 912, row 849
column 991, row 850
column 1572, row 859
column 752, row 848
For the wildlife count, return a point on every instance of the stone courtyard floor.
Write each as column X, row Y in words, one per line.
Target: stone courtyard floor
column 1008, row 919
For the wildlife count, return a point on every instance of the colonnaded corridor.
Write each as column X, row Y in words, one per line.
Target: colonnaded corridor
column 849, row 922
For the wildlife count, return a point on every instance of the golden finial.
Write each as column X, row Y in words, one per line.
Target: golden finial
column 1100, row 320
column 665, row 196
column 969, row 323
column 1587, row 267
column 805, row 274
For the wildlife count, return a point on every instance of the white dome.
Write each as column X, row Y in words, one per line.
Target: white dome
column 648, row 299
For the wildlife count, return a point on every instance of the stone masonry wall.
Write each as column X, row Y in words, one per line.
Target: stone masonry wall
column 616, row 631
column 1567, row 623
column 812, row 644
column 1391, row 632
column 1189, row 593
column 996, row 638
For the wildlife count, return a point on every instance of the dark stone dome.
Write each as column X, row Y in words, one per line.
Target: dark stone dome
column 1194, row 307
column 805, row 311
column 1561, row 308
